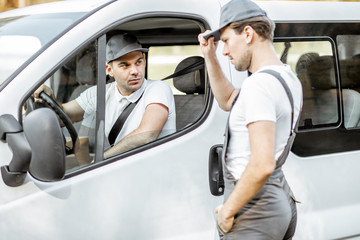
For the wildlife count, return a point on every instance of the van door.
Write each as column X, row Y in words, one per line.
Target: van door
column 156, row 191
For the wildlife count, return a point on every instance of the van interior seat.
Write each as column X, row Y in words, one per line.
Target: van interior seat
column 190, row 104
column 302, row 69
column 350, row 76
column 323, row 81
column 351, row 100
column 85, row 72
column 86, row 76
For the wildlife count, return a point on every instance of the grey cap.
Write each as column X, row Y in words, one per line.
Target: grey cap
column 121, row 44
column 236, row 10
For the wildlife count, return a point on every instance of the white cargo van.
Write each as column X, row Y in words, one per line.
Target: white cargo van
column 168, row 188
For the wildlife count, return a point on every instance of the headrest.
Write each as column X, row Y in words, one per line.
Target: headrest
column 193, row 82
column 321, row 73
column 304, row 61
column 86, row 66
column 85, row 71
column 350, row 72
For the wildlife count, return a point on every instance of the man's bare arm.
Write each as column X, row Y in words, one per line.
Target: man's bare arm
column 223, row 90
column 73, row 110
column 153, row 121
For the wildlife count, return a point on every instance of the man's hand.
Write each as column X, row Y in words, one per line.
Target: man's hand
column 208, row 47
column 72, row 108
column 45, row 89
column 225, row 222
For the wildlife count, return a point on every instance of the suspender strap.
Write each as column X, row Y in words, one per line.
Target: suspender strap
column 288, row 93
column 292, row 135
column 115, row 130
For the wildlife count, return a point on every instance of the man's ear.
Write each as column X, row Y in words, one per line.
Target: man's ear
column 109, row 69
column 144, row 57
column 249, row 34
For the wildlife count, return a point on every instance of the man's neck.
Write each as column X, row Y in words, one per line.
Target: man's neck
column 263, row 55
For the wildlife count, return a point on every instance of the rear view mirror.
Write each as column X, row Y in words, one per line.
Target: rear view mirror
column 44, row 135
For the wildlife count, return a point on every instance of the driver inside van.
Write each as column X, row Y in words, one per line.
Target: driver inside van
column 154, row 113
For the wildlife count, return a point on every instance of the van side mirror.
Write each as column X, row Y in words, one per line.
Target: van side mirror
column 216, row 175
column 43, row 132
column 38, row 147
column 11, row 132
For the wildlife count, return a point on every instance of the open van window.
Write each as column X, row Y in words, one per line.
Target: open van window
column 81, row 73
column 162, row 61
column 189, row 95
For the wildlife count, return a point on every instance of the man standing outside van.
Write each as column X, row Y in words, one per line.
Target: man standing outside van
column 258, row 202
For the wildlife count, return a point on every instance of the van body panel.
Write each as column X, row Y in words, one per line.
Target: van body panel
column 313, row 181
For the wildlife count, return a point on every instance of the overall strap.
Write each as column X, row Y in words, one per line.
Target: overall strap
column 287, row 90
column 285, row 153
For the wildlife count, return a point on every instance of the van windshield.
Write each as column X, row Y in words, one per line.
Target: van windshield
column 22, row 36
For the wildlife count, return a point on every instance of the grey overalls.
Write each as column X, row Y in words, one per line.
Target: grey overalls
column 271, row 214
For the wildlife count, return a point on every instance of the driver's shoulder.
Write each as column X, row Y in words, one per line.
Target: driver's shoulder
column 157, row 85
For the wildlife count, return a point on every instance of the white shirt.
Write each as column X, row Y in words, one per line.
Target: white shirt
column 150, row 92
column 262, row 97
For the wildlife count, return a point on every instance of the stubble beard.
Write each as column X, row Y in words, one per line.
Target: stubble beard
column 128, row 89
column 243, row 63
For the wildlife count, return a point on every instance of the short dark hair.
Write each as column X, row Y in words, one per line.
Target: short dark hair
column 262, row 25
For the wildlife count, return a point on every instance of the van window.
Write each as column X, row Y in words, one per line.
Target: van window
column 314, row 63
column 78, row 76
column 349, row 63
column 188, row 89
column 331, row 112
column 162, row 61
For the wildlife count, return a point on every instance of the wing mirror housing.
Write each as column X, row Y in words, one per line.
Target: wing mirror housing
column 43, row 132
column 38, row 147
column 11, row 132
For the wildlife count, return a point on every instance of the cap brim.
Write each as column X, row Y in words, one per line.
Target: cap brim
column 215, row 34
column 141, row 49
column 134, row 50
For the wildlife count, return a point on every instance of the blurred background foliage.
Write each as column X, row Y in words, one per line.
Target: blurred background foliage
column 11, row 4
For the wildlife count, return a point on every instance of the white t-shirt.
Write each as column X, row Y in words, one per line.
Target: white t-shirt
column 150, row 92
column 262, row 97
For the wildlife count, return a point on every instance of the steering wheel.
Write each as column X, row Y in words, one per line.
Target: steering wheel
column 64, row 118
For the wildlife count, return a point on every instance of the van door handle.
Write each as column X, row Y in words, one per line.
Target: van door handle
column 216, row 175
